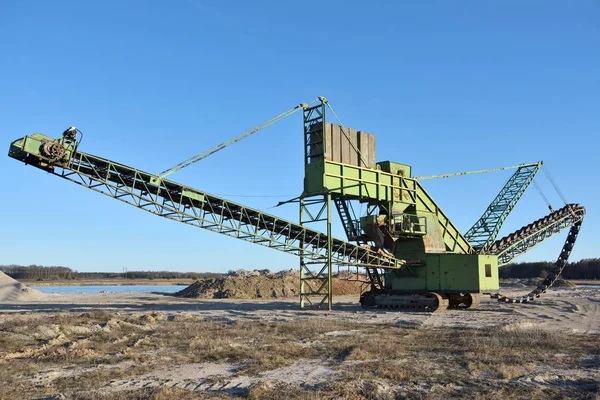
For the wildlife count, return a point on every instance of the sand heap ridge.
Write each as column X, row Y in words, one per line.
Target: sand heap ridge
column 259, row 284
column 13, row 290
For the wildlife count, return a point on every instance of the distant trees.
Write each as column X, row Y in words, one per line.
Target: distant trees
column 39, row 272
column 148, row 275
column 587, row 268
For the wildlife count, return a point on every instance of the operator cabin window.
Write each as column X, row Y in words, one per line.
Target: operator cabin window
column 488, row 270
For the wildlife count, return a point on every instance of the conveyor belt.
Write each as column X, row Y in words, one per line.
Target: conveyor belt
column 529, row 236
column 559, row 266
column 184, row 204
column 525, row 238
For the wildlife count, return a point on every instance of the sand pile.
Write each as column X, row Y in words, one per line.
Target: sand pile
column 559, row 283
column 534, row 282
column 267, row 285
column 12, row 290
column 564, row 283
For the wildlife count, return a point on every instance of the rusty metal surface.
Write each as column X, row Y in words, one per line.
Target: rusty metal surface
column 522, row 240
column 559, row 266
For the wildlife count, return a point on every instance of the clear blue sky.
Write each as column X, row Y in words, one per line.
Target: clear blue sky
column 446, row 86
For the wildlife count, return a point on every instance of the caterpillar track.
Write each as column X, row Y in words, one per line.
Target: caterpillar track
column 574, row 211
column 391, row 299
column 429, row 301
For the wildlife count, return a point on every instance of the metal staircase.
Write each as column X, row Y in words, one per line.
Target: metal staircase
column 348, row 218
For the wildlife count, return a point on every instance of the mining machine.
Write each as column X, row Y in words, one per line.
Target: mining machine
column 413, row 256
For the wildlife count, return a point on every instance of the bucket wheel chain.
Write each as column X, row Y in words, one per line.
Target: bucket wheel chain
column 553, row 276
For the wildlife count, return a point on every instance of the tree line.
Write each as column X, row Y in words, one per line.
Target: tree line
column 587, row 268
column 37, row 272
column 40, row 272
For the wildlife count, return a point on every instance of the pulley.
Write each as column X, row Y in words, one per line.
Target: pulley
column 53, row 150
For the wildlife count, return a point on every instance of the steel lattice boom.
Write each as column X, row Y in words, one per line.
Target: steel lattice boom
column 485, row 231
column 180, row 203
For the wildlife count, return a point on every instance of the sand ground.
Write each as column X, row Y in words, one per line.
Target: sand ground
column 574, row 310
column 566, row 310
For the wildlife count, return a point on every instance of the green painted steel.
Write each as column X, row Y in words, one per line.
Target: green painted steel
column 395, row 168
column 485, row 231
column 447, row 273
column 405, row 242
column 364, row 184
column 316, row 275
column 30, row 149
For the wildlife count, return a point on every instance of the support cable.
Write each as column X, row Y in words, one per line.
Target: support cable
column 543, row 195
column 233, row 140
column 553, row 182
column 482, row 171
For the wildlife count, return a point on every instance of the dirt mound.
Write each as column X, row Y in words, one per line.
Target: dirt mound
column 535, row 282
column 12, row 290
column 564, row 283
column 286, row 284
column 242, row 273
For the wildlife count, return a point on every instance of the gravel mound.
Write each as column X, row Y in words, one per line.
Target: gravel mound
column 250, row 286
column 564, row 283
column 13, row 290
column 534, row 282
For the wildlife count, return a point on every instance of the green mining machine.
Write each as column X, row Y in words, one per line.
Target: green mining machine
column 412, row 255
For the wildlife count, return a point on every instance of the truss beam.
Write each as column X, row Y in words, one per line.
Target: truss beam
column 171, row 200
column 485, row 231
column 523, row 240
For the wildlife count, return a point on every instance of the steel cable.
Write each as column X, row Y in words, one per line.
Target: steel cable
column 553, row 182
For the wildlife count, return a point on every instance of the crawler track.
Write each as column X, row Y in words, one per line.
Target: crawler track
column 390, row 299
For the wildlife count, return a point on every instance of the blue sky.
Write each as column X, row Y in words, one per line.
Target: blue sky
column 446, row 86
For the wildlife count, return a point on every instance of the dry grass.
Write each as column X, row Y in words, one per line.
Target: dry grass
column 147, row 394
column 368, row 361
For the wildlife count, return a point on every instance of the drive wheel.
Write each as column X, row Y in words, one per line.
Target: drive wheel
column 441, row 302
column 459, row 301
column 474, row 299
column 367, row 301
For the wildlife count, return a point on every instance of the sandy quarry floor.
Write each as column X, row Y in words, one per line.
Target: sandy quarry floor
column 64, row 358
column 573, row 310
